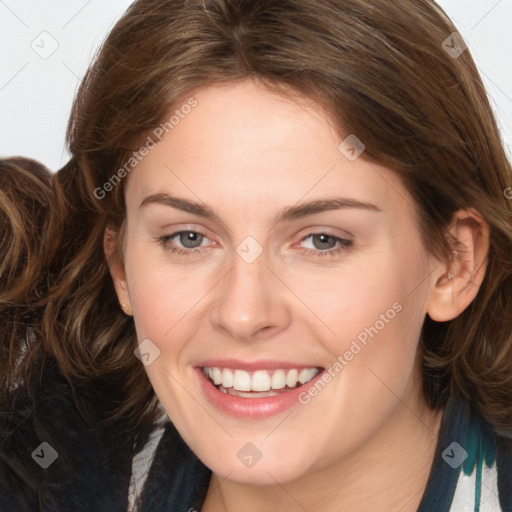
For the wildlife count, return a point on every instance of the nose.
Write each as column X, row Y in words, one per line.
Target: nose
column 250, row 302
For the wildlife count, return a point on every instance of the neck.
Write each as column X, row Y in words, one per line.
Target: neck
column 389, row 473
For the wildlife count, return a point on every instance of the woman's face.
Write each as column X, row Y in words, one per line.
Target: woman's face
column 258, row 251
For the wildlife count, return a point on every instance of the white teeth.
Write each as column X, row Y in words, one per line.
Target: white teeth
column 278, row 379
column 217, row 377
column 227, row 378
column 260, row 380
column 307, row 374
column 291, row 378
column 242, row 381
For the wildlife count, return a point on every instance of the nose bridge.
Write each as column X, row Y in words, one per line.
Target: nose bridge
column 249, row 300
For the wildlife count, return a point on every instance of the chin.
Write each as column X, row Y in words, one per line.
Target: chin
column 257, row 461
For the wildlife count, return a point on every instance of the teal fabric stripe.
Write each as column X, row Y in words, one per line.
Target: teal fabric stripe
column 443, row 477
column 480, row 446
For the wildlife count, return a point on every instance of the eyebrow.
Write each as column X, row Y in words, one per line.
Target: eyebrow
column 287, row 214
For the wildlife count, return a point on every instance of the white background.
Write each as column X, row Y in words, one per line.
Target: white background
column 36, row 93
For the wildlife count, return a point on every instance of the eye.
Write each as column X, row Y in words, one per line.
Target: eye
column 322, row 244
column 190, row 239
column 184, row 242
column 188, row 242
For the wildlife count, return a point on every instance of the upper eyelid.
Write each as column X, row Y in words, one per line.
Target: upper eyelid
column 328, row 233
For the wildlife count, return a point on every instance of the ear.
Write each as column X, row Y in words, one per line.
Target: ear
column 116, row 266
column 456, row 282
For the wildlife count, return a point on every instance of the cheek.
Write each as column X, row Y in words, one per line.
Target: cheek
column 377, row 294
column 160, row 295
column 169, row 301
column 373, row 318
column 377, row 317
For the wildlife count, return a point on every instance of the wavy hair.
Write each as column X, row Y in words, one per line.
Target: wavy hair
column 379, row 69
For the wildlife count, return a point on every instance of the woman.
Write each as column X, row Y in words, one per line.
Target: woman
column 275, row 273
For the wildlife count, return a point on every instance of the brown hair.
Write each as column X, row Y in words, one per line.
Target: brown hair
column 25, row 199
column 379, row 69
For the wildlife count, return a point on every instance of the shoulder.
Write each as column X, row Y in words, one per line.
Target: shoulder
column 485, row 479
column 472, row 466
column 504, row 471
column 175, row 478
column 50, row 457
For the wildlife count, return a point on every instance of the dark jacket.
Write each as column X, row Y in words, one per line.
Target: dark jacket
column 92, row 470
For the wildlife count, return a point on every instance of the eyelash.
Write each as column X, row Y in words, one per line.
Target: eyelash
column 344, row 244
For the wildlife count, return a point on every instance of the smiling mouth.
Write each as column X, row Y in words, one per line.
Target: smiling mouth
column 260, row 383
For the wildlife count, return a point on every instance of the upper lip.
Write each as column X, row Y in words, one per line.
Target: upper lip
column 263, row 364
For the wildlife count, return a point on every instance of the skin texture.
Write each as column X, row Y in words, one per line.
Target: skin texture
column 366, row 441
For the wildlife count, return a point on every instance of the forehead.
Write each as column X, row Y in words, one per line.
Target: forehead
column 244, row 142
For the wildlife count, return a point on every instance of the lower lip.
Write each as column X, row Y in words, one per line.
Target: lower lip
column 263, row 407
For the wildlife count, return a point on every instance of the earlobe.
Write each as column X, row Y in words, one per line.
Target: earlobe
column 116, row 267
column 456, row 283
